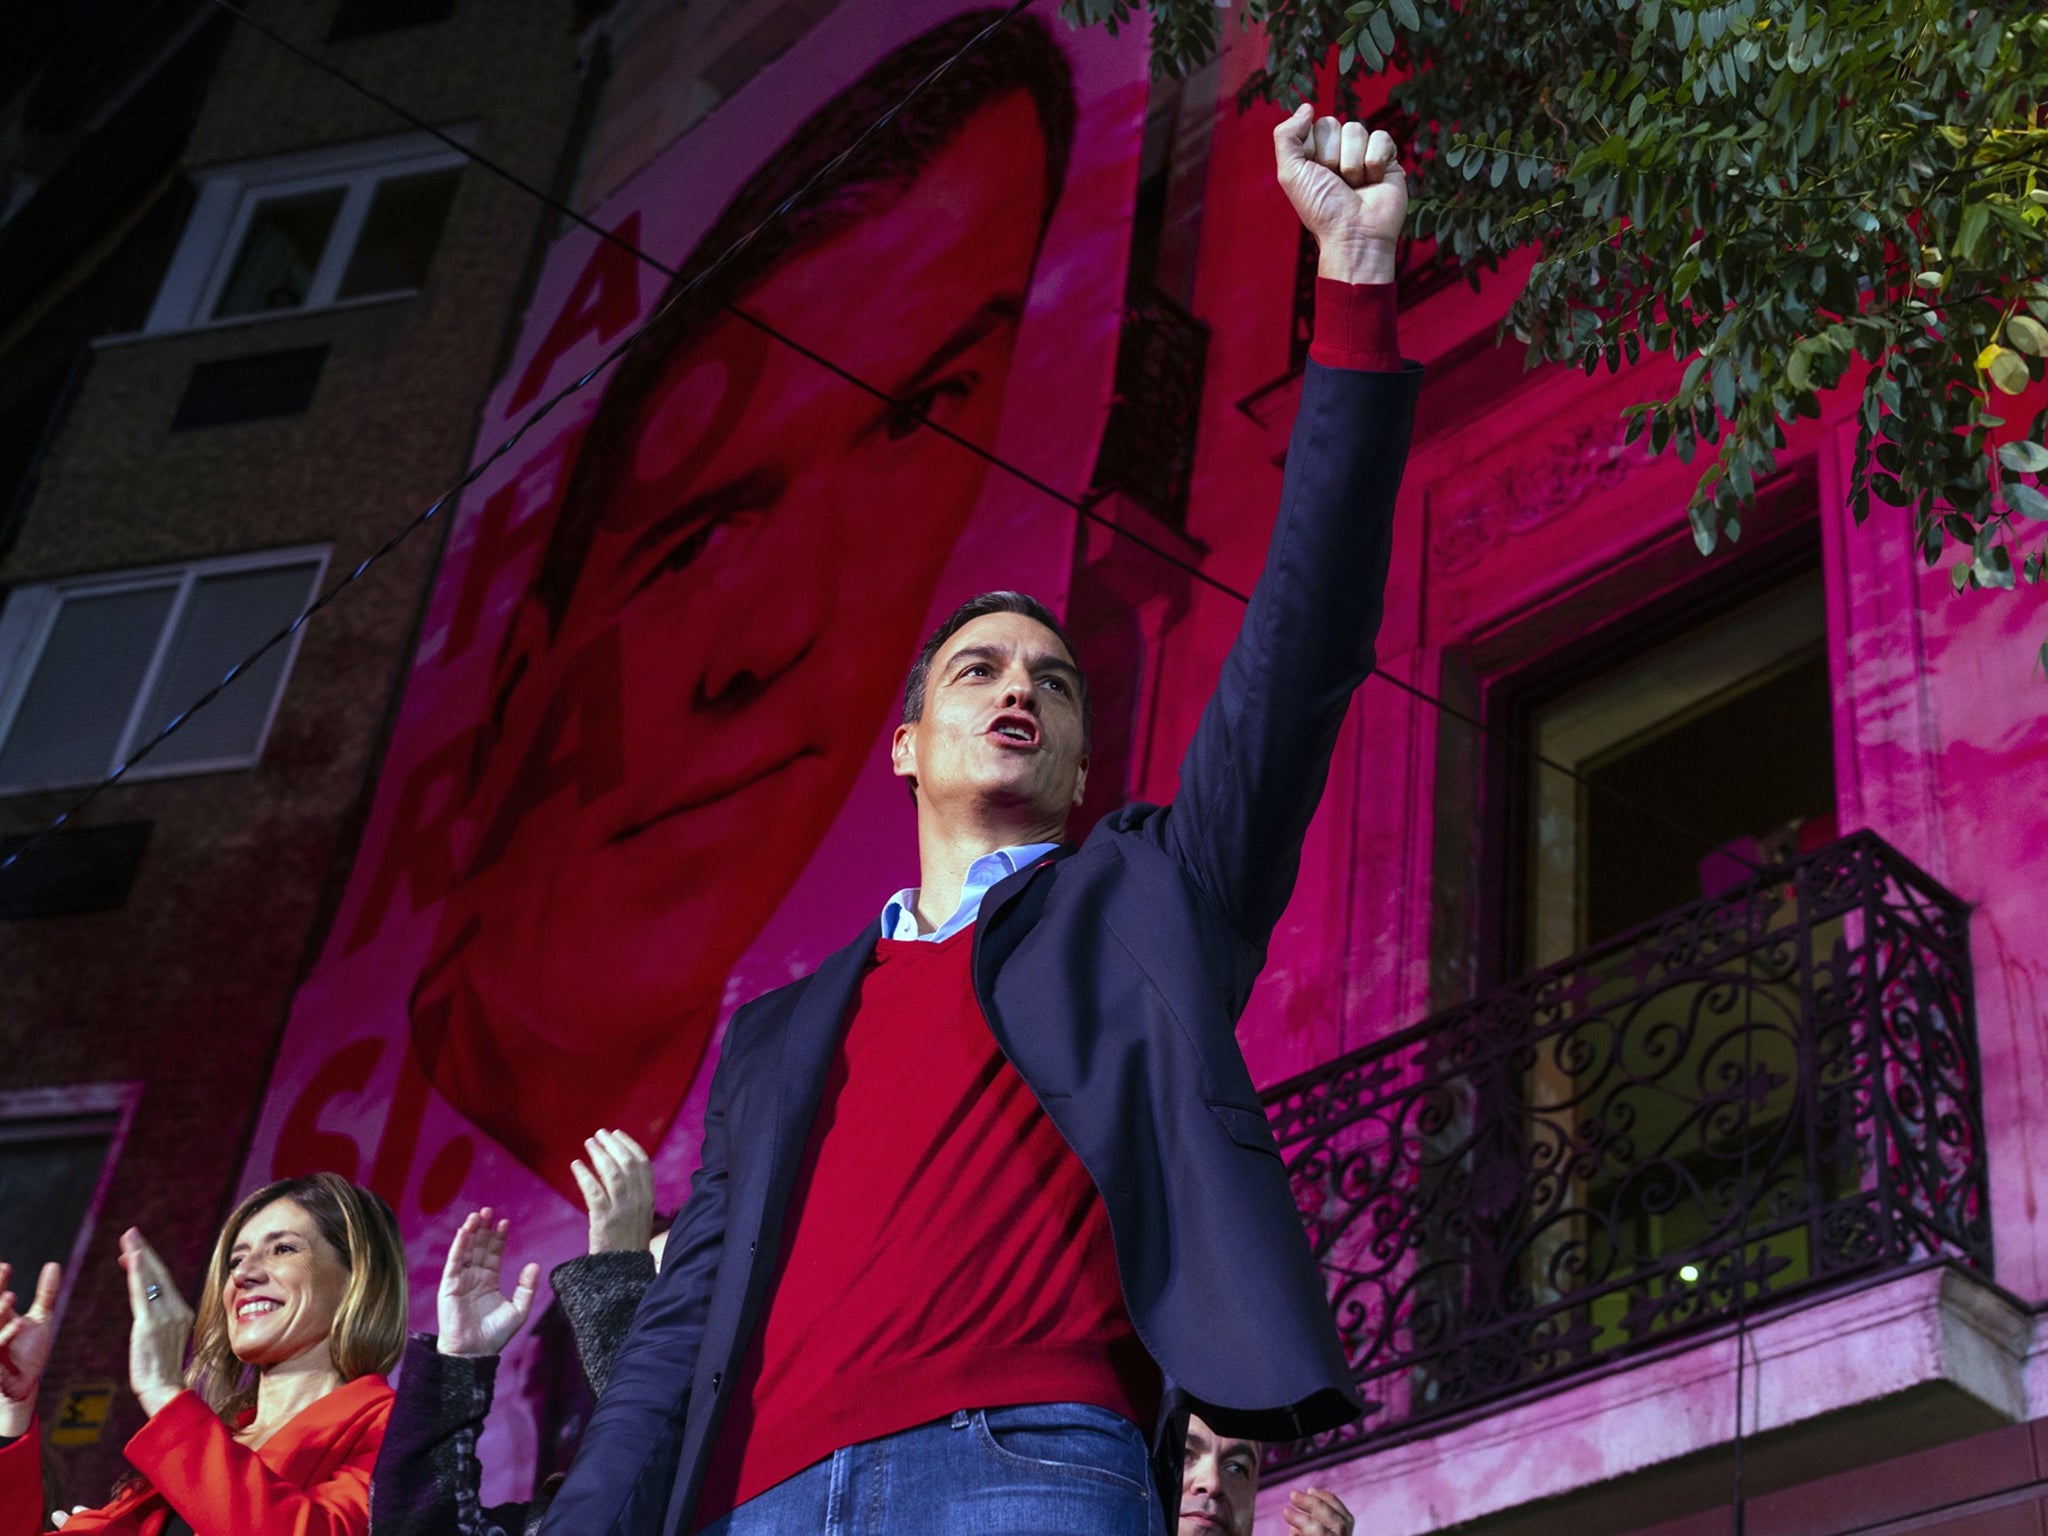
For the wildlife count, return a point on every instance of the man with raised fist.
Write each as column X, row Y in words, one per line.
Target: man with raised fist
column 988, row 1205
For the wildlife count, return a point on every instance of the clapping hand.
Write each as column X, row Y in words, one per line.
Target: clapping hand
column 161, row 1325
column 1350, row 190
column 476, row 1316
column 618, row 1191
column 25, row 1340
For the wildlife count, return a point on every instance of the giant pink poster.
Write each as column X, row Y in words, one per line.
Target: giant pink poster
column 638, row 774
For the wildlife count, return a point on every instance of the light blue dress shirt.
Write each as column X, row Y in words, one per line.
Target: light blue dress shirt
column 899, row 916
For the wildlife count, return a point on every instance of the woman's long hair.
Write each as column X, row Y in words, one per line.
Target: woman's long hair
column 369, row 1325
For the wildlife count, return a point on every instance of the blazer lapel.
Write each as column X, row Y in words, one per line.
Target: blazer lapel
column 992, row 941
column 810, row 1036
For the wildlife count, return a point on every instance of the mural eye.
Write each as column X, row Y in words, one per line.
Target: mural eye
column 909, row 414
column 681, row 555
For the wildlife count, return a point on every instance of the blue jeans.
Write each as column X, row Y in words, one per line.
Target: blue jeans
column 1050, row 1469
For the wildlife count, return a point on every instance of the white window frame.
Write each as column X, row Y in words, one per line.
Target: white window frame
column 30, row 613
column 230, row 194
column 77, row 1101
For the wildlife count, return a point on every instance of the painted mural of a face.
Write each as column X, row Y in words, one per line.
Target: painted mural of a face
column 737, row 579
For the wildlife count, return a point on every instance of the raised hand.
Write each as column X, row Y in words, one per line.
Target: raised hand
column 1316, row 1512
column 476, row 1316
column 25, row 1340
column 618, row 1191
column 1349, row 189
column 160, row 1328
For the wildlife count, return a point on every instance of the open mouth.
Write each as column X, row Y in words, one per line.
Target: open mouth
column 1019, row 729
column 256, row 1306
column 712, row 793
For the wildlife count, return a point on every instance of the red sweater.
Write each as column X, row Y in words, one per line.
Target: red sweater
column 945, row 1249
column 311, row 1478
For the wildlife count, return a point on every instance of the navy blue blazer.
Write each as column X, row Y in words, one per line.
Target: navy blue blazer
column 1112, row 976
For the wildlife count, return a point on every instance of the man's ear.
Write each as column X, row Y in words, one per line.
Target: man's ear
column 903, row 753
column 1080, row 782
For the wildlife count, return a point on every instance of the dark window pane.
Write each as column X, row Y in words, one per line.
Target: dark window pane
column 399, row 234
column 85, row 682
column 367, row 18
column 267, row 384
column 228, row 617
column 46, row 1184
column 70, row 871
column 1755, row 765
column 280, row 253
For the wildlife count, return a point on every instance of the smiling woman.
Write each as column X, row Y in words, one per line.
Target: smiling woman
column 275, row 1425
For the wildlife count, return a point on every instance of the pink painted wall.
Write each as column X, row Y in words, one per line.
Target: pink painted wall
column 1514, row 510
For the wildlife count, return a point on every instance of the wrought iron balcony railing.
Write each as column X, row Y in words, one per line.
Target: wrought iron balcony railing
column 1148, row 444
column 1758, row 1094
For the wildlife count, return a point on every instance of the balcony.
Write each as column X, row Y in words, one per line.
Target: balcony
column 1762, row 1094
column 1148, row 443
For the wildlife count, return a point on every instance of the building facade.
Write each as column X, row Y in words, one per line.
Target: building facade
column 1653, row 1040
column 257, row 353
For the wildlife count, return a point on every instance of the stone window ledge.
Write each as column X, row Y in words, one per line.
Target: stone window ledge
column 1835, row 1382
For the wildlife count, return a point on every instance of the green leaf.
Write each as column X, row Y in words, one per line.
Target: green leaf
column 1407, row 15
column 2026, row 501
column 2027, row 335
column 1382, row 31
column 1975, row 218
column 2023, row 458
column 2006, row 369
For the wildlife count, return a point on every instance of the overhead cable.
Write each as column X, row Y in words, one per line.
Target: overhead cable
column 1082, row 507
column 538, row 414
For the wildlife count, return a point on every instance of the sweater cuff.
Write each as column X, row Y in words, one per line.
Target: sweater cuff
column 1355, row 326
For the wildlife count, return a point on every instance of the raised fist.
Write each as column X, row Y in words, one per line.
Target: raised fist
column 1348, row 188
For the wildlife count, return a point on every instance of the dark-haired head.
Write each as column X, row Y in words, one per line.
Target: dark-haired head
column 981, row 607
column 1019, row 55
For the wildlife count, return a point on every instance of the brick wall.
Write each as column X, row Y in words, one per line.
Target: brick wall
column 184, row 988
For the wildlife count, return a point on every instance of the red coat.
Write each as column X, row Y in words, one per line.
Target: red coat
column 311, row 1478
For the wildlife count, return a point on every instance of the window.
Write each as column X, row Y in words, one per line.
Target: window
column 300, row 232
column 93, row 666
column 1726, row 730
column 1722, row 730
column 58, row 1147
column 372, row 18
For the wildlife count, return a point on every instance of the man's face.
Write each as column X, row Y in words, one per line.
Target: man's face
column 763, row 566
column 1219, row 1483
column 1002, row 726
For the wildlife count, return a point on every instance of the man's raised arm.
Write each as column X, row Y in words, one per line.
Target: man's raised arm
column 1255, row 770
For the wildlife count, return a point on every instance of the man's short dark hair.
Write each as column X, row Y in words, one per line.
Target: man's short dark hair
column 1020, row 55
column 980, row 608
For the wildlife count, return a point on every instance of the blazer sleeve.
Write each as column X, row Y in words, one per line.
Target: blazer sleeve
column 1256, row 767
column 625, row 1468
column 21, row 1484
column 223, row 1487
column 427, row 1476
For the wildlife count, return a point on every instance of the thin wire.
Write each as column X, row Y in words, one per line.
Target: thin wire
column 539, row 414
column 1084, row 508
column 1737, row 1504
